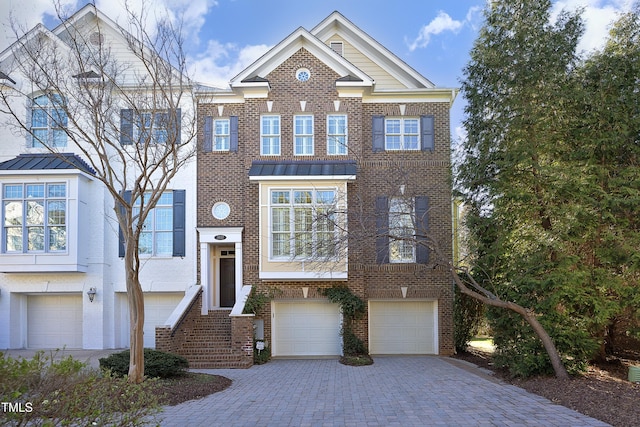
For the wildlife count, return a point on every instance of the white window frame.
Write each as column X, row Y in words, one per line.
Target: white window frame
column 337, row 141
column 49, row 113
column 273, row 136
column 221, row 134
column 150, row 243
column 27, row 200
column 301, row 244
column 402, row 134
column 401, row 224
column 151, row 121
column 303, row 138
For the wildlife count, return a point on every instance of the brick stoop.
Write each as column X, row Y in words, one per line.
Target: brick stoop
column 208, row 344
column 206, row 341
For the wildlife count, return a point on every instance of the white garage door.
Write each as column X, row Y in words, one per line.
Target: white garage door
column 157, row 309
column 310, row 328
column 54, row 321
column 403, row 327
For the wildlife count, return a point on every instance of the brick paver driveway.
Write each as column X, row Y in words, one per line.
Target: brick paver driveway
column 394, row 391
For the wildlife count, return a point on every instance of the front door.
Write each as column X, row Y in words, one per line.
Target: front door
column 227, row 282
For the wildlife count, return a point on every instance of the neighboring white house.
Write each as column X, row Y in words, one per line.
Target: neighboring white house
column 62, row 280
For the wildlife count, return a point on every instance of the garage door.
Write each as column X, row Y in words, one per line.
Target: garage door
column 310, row 328
column 157, row 309
column 403, row 327
column 54, row 321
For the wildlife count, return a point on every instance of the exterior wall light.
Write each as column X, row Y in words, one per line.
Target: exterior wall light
column 91, row 293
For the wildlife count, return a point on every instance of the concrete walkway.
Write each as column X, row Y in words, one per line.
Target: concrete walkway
column 394, row 391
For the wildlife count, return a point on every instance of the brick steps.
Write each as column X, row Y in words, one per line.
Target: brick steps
column 208, row 343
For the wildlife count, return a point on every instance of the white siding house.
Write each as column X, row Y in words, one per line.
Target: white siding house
column 62, row 277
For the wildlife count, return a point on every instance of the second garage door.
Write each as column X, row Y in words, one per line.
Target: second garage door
column 157, row 309
column 310, row 328
column 403, row 327
column 54, row 321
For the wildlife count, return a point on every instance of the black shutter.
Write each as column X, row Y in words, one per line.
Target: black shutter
column 126, row 127
column 233, row 126
column 377, row 130
column 382, row 230
column 207, row 145
column 427, row 142
column 422, row 228
column 179, row 214
column 126, row 195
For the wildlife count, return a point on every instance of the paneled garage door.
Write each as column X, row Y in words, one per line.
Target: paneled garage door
column 54, row 321
column 157, row 309
column 309, row 328
column 403, row 327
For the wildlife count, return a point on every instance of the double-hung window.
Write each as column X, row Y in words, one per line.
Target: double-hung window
column 303, row 135
column 270, row 135
column 157, row 235
column 402, row 244
column 402, row 134
column 337, row 134
column 48, row 122
column 34, row 217
column 303, row 223
column 150, row 127
column 221, row 135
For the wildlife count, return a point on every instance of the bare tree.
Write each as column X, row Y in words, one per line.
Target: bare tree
column 122, row 99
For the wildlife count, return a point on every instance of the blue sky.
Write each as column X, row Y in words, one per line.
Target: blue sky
column 225, row 36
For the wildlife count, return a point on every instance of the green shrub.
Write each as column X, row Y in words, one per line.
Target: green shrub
column 157, row 364
column 468, row 314
column 260, row 357
column 67, row 392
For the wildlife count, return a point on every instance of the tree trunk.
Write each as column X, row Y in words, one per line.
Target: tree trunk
column 135, row 298
column 527, row 314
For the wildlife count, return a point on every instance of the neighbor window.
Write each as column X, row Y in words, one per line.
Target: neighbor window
column 303, row 135
column 337, row 134
column 303, row 223
column 402, row 134
column 150, row 127
column 48, row 122
column 157, row 235
column 221, row 135
column 270, row 136
column 402, row 246
column 34, row 217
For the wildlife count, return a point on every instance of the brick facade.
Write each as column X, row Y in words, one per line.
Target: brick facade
column 224, row 176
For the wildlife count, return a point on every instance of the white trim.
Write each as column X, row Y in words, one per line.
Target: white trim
column 304, row 275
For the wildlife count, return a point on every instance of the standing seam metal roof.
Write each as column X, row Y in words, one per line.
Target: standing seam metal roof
column 302, row 168
column 47, row 161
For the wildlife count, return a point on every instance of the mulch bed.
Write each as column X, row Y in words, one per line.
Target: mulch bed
column 603, row 392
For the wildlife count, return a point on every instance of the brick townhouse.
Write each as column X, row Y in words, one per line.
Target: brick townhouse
column 328, row 120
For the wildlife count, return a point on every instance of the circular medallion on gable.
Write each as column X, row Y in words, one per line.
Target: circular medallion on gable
column 303, row 74
column 220, row 210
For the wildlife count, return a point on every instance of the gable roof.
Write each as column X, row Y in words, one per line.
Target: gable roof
column 46, row 161
column 300, row 38
column 336, row 23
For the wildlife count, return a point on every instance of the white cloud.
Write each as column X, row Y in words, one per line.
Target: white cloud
column 442, row 22
column 25, row 14
column 598, row 16
column 28, row 13
column 219, row 63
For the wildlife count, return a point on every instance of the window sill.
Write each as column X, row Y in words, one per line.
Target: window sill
column 40, row 263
